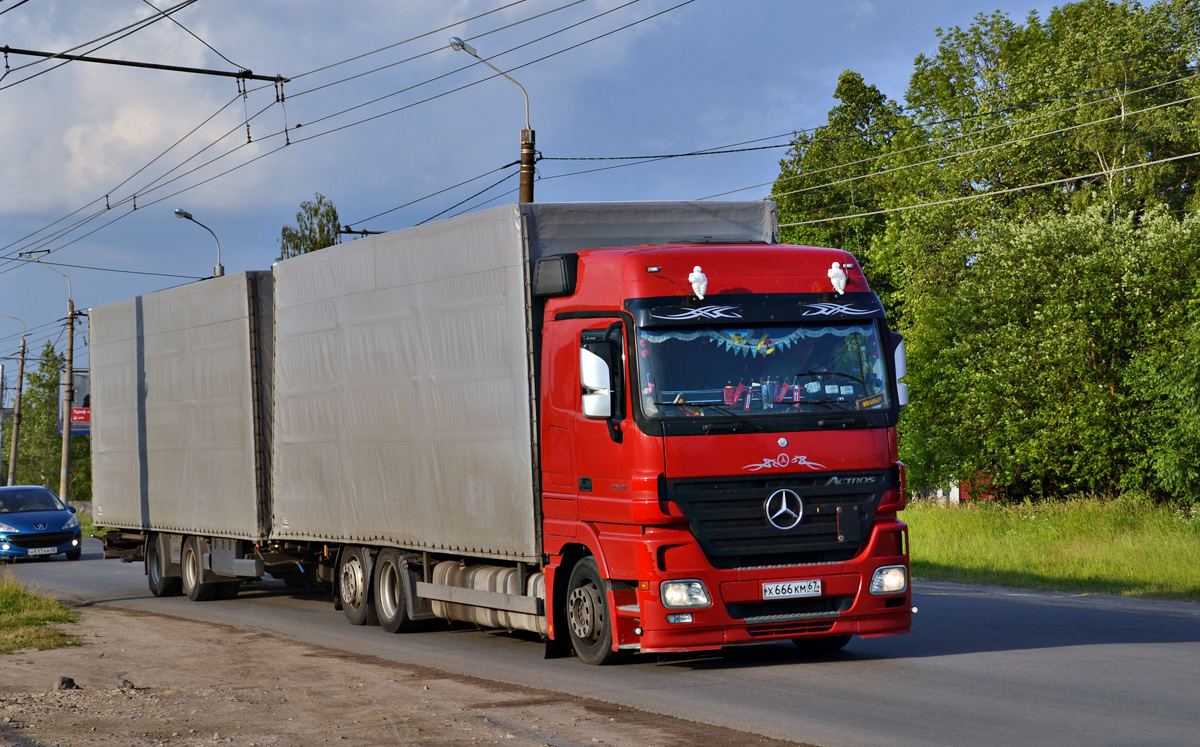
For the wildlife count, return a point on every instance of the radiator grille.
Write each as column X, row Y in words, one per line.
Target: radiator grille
column 729, row 518
column 49, row 539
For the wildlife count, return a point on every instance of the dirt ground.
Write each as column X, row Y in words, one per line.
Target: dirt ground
column 146, row 679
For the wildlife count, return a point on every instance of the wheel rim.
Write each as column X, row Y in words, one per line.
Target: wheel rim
column 190, row 573
column 152, row 558
column 352, row 583
column 389, row 590
column 586, row 611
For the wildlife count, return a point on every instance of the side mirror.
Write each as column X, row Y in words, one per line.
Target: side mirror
column 901, row 366
column 596, row 380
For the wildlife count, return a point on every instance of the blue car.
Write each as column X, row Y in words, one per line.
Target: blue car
column 35, row 523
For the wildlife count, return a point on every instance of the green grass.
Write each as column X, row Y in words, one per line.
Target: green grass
column 1122, row 547
column 85, row 524
column 24, row 615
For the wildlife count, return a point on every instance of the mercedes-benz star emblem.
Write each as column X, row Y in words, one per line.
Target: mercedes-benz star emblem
column 784, row 509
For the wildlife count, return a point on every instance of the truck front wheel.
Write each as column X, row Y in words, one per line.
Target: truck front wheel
column 588, row 617
column 354, row 581
column 192, row 566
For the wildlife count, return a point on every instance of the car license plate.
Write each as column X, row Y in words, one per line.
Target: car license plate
column 41, row 551
column 792, row 589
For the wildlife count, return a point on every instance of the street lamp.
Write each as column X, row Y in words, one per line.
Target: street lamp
column 219, row 270
column 527, row 152
column 16, row 429
column 69, row 391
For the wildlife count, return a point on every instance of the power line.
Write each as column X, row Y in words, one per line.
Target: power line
column 13, row 7
column 961, row 136
column 185, row 28
column 889, row 171
column 365, row 120
column 995, row 193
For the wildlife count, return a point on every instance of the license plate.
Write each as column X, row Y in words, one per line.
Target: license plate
column 792, row 589
column 41, row 551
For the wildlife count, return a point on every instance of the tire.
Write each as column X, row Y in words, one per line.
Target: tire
column 589, row 620
column 821, row 646
column 227, row 590
column 354, row 586
column 388, row 593
column 156, row 564
column 192, row 566
column 75, row 554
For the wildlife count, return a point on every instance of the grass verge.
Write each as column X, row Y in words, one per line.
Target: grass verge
column 1121, row 547
column 24, row 615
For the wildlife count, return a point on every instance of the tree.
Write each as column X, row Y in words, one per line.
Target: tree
column 40, row 458
column 316, row 227
column 1052, row 330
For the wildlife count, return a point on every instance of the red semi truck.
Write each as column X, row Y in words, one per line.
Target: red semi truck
column 627, row 427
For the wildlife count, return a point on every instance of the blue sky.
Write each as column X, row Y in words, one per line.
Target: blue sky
column 647, row 78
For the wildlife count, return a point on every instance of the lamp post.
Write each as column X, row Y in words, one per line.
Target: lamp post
column 219, row 270
column 527, row 135
column 16, row 429
column 69, row 390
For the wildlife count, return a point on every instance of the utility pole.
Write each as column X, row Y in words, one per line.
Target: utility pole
column 69, row 386
column 68, row 400
column 16, row 429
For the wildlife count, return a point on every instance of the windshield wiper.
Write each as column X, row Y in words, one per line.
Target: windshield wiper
column 725, row 409
column 855, row 417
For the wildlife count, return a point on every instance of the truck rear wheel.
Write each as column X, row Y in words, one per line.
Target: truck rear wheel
column 354, row 582
column 588, row 618
column 161, row 585
column 391, row 600
column 192, row 567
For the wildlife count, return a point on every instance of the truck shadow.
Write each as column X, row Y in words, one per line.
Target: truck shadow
column 951, row 626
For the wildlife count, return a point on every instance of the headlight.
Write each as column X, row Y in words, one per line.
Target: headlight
column 6, row 528
column 71, row 522
column 688, row 593
column 890, row 579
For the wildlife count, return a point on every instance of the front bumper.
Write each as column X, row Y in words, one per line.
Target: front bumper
column 39, row 544
column 739, row 614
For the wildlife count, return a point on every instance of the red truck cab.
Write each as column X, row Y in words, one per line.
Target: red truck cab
column 719, row 462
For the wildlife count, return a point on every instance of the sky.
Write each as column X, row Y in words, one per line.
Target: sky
column 383, row 118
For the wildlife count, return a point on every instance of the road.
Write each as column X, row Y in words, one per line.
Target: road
column 982, row 667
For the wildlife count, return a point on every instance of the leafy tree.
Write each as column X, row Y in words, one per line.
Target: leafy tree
column 39, row 460
column 844, row 154
column 1053, row 330
column 316, row 227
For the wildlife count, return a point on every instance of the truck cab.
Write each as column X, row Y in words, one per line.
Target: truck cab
column 719, row 457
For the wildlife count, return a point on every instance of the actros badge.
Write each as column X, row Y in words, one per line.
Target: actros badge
column 784, row 509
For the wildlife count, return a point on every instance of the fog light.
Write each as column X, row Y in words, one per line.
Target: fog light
column 74, row 543
column 4, row 546
column 685, row 593
column 890, row 579
column 680, row 617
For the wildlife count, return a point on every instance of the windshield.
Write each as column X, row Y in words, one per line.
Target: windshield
column 771, row 370
column 15, row 500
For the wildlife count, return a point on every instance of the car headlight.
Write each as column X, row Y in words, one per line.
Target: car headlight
column 890, row 579
column 682, row 594
column 5, row 528
column 71, row 522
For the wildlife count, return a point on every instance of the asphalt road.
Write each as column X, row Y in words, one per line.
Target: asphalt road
column 982, row 666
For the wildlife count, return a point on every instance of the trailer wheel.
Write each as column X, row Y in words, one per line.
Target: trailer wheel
column 391, row 601
column 161, row 585
column 192, row 565
column 821, row 646
column 588, row 617
column 354, row 582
